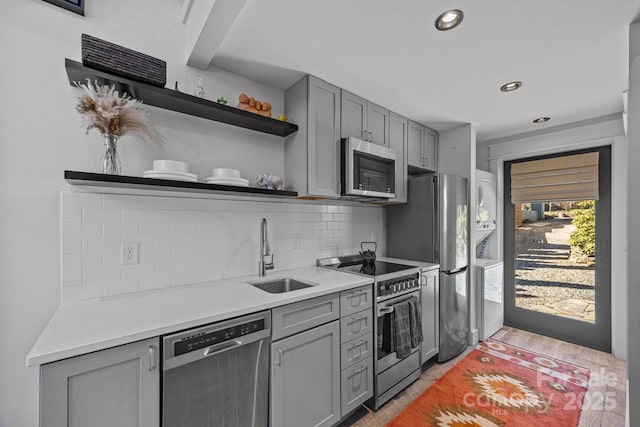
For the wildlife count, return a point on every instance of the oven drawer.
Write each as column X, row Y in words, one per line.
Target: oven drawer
column 355, row 300
column 357, row 385
column 356, row 350
column 355, row 325
column 397, row 372
column 300, row 316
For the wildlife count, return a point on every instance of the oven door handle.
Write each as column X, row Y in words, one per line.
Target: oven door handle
column 384, row 310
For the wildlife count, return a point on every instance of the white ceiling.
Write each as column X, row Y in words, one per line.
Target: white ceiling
column 571, row 55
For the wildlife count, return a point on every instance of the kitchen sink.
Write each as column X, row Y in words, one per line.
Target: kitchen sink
column 280, row 285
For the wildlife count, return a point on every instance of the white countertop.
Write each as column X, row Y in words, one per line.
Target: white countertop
column 81, row 327
column 424, row 266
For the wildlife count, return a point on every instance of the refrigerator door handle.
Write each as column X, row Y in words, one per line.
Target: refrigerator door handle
column 455, row 271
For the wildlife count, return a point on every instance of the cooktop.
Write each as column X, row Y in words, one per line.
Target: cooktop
column 359, row 265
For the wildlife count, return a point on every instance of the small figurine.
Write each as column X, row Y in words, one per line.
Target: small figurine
column 222, row 100
column 253, row 105
column 199, row 92
column 282, row 118
column 176, row 88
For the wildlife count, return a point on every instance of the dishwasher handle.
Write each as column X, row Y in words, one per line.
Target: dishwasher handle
column 213, row 350
column 194, row 356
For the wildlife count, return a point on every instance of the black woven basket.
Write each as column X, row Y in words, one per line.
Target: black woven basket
column 120, row 61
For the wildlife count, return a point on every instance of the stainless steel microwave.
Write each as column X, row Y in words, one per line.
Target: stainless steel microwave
column 367, row 169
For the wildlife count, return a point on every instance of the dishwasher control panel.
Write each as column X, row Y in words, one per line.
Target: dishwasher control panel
column 209, row 337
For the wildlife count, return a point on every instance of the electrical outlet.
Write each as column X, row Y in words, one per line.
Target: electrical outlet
column 374, row 236
column 130, row 253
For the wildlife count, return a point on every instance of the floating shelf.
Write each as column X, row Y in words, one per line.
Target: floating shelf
column 135, row 182
column 181, row 102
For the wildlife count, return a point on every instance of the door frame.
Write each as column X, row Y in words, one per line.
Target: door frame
column 595, row 335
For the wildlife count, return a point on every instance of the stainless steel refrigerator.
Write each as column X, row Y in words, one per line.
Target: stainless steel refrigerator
column 433, row 227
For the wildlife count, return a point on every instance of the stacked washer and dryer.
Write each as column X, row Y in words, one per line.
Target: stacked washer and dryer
column 489, row 271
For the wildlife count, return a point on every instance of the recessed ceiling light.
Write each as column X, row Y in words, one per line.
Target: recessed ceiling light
column 450, row 19
column 542, row 119
column 511, row 86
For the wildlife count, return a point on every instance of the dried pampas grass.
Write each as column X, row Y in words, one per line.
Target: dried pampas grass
column 104, row 109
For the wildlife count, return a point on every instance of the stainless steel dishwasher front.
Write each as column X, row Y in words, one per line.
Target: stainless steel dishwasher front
column 218, row 374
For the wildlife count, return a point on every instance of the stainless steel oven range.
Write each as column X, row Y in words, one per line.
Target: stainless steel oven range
column 393, row 284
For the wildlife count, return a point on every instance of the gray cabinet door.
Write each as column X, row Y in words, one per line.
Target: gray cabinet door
column 353, row 116
column 430, row 319
column 119, row 386
column 429, row 150
column 415, row 138
column 398, row 142
column 305, row 386
column 324, row 138
column 377, row 124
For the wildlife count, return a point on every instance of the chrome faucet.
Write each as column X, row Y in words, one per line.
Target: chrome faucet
column 265, row 251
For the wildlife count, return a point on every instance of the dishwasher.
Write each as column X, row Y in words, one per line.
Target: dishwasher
column 218, row 374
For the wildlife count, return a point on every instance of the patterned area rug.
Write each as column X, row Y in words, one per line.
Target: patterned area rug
column 498, row 384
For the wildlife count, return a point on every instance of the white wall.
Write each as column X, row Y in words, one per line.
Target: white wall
column 600, row 132
column 633, row 390
column 41, row 136
column 185, row 240
column 457, row 155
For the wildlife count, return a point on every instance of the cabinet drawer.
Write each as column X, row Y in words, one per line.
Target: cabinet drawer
column 300, row 316
column 357, row 385
column 355, row 300
column 356, row 350
column 355, row 325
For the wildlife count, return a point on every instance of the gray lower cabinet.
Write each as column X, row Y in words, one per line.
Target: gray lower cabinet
column 118, row 386
column 312, row 154
column 363, row 119
column 305, row 383
column 422, row 148
column 398, row 131
column 356, row 351
column 430, row 319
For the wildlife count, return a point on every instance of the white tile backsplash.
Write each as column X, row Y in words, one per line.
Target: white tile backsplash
column 189, row 240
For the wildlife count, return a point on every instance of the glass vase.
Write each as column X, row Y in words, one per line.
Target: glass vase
column 110, row 160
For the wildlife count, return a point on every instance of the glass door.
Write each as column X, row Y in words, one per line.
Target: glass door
column 557, row 265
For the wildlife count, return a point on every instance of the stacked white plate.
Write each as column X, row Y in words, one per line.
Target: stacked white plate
column 226, row 176
column 170, row 169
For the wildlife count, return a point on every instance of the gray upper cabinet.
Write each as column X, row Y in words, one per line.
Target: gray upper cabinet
column 422, row 148
column 119, row 386
column 363, row 119
column 398, row 134
column 305, row 385
column 312, row 154
column 430, row 149
column 430, row 320
column 415, row 136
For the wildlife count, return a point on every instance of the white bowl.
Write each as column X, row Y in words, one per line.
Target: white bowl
column 170, row 165
column 226, row 173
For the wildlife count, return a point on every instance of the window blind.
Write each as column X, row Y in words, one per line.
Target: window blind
column 566, row 178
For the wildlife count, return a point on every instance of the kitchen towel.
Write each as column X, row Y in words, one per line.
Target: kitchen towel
column 402, row 329
column 415, row 321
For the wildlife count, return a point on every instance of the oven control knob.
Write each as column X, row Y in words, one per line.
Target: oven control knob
column 404, row 286
column 391, row 287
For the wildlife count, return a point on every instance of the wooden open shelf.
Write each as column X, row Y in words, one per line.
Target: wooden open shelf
column 181, row 102
column 135, row 182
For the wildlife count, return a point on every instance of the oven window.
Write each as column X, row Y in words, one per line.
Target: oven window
column 373, row 173
column 384, row 336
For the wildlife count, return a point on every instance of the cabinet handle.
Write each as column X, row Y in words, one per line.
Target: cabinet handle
column 360, row 369
column 358, row 318
column 152, row 358
column 279, row 357
column 359, row 343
